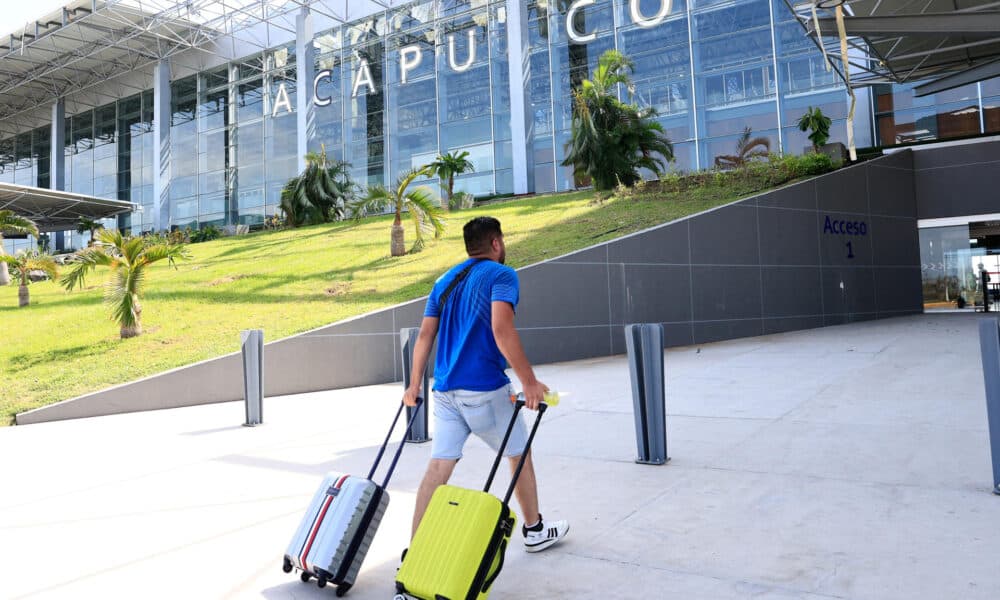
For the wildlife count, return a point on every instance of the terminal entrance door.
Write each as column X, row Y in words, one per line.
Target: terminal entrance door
column 952, row 258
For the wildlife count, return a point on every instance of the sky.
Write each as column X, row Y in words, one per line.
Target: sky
column 16, row 14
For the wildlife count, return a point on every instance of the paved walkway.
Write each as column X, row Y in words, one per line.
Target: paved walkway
column 846, row 462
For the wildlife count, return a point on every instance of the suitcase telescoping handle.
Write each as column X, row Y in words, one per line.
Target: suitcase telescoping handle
column 518, row 405
column 381, row 451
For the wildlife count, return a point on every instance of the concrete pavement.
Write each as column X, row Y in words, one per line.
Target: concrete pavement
column 844, row 462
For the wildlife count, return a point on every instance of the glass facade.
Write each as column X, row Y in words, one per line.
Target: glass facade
column 392, row 90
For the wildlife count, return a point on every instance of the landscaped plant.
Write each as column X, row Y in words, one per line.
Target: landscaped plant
column 815, row 121
column 419, row 202
column 129, row 259
column 89, row 225
column 446, row 166
column 205, row 234
column 320, row 194
column 463, row 200
column 610, row 139
column 23, row 264
column 14, row 224
column 747, row 149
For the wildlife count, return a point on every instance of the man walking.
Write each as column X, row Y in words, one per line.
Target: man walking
column 472, row 306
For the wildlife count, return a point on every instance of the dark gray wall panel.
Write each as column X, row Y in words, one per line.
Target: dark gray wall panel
column 726, row 293
column 892, row 191
column 896, row 241
column 597, row 254
column 957, row 180
column 898, row 289
column 791, row 324
column 662, row 245
column 379, row 322
column 788, row 237
column 674, row 335
column 727, row 236
column 792, row 291
column 563, row 294
column 346, row 360
column 848, row 291
column 844, row 191
column 651, row 294
column 546, row 345
column 717, row 331
column 800, row 195
column 952, row 156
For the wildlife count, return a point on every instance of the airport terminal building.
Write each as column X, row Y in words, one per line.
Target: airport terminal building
column 200, row 117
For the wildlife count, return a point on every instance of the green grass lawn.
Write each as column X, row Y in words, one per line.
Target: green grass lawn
column 284, row 282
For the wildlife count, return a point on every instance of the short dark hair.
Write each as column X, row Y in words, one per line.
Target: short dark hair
column 479, row 234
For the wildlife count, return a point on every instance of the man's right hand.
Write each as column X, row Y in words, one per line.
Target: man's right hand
column 534, row 393
column 410, row 396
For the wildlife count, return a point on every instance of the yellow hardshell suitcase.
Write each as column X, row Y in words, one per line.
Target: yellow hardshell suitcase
column 457, row 552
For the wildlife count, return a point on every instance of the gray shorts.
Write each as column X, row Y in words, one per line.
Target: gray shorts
column 458, row 413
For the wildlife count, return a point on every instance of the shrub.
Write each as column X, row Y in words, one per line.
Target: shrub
column 462, row 200
column 207, row 233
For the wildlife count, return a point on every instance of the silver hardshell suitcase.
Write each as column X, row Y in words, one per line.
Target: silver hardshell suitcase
column 337, row 530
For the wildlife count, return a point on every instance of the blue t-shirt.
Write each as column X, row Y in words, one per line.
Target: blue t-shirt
column 468, row 357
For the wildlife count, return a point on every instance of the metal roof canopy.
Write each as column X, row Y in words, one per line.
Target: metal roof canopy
column 53, row 210
column 88, row 42
column 953, row 42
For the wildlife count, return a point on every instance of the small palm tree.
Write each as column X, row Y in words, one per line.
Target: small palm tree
column 747, row 149
column 25, row 262
column 12, row 223
column 612, row 140
column 819, row 123
column 320, row 194
column 420, row 203
column 88, row 225
column 446, row 166
column 129, row 259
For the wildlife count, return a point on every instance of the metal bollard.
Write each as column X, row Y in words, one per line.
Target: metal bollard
column 989, row 345
column 645, row 360
column 253, row 375
column 418, row 433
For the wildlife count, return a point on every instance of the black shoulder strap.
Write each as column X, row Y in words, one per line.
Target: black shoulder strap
column 457, row 280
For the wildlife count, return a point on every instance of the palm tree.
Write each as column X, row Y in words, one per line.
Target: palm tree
column 747, row 149
column 819, row 123
column 420, row 203
column 12, row 223
column 25, row 262
column 446, row 166
column 129, row 259
column 90, row 225
column 610, row 139
column 320, row 194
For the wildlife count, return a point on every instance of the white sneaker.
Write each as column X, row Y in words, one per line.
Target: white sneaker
column 544, row 534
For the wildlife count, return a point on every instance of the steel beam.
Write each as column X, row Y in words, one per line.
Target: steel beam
column 948, row 82
column 936, row 24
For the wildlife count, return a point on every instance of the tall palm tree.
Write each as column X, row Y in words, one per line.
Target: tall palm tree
column 747, row 149
column 129, row 259
column 419, row 202
column 24, row 262
column 89, row 225
column 819, row 123
column 320, row 194
column 610, row 139
column 12, row 223
column 446, row 166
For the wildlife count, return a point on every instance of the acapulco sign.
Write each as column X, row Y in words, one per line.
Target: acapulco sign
column 410, row 57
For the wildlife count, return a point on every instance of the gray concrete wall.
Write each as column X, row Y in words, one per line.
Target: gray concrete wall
column 766, row 264
column 957, row 180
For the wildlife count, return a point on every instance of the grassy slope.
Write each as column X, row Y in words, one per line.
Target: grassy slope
column 285, row 282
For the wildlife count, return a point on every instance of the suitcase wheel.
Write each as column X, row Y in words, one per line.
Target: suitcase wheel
column 286, row 566
column 321, row 581
column 343, row 589
column 304, row 576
